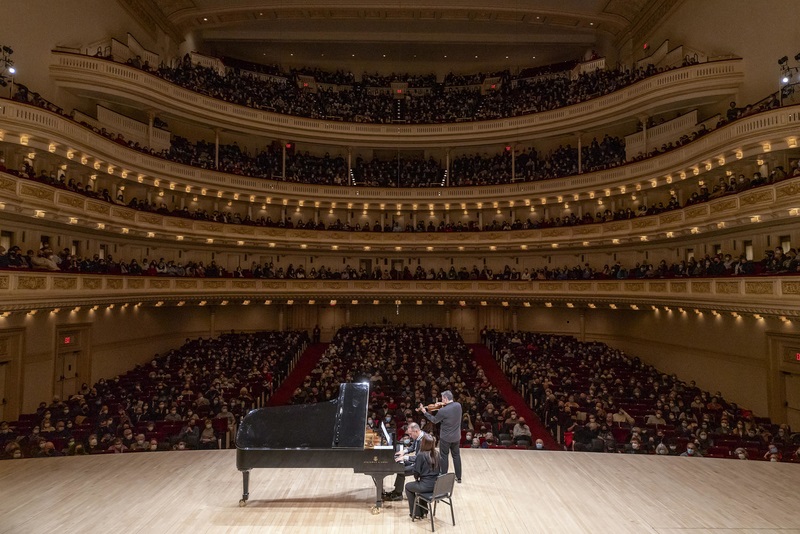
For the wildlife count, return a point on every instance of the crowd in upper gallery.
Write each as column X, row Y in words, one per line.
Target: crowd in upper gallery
column 716, row 188
column 774, row 262
column 458, row 98
column 187, row 398
column 593, row 397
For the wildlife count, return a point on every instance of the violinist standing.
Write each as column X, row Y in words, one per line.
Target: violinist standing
column 449, row 415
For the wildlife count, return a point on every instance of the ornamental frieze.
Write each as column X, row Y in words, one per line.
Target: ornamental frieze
column 365, row 285
column 114, row 283
column 727, row 288
column 335, row 285
column 399, row 285
column 32, row 282
column 756, row 197
column 243, row 230
column 697, row 211
column 729, row 204
column 91, row 283
column 42, row 193
column 213, row 284
column 65, row 283
column 658, row 287
column 486, row 285
column 701, row 287
column 615, row 226
column 759, row 288
column 185, row 284
column 790, row 288
column 157, row 283
column 645, row 222
column 634, row 286
column 790, row 190
column 244, row 284
column 135, row 283
column 273, row 285
column 128, row 215
column 554, row 232
column 551, row 286
column 586, row 230
column 96, row 207
column 206, row 227
column 458, row 286
column 150, row 218
column 179, row 223
column 4, row 282
column 7, row 184
column 579, row 286
column 608, row 286
column 429, row 285
column 71, row 201
column 519, row 286
column 667, row 218
column 305, row 285
column 678, row 287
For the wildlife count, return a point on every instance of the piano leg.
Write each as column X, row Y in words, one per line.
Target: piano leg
column 378, row 479
column 245, row 487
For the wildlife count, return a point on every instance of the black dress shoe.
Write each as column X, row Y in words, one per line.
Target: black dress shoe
column 394, row 497
column 458, row 480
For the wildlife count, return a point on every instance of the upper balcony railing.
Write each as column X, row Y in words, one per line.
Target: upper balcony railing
column 111, row 80
column 34, row 127
column 775, row 295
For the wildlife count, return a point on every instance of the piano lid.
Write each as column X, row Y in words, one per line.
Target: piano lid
column 336, row 424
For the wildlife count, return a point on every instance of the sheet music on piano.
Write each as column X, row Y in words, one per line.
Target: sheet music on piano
column 388, row 439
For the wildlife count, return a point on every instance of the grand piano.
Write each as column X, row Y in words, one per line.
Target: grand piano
column 319, row 436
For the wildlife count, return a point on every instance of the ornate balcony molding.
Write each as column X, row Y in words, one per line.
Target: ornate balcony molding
column 132, row 86
column 770, row 203
column 755, row 135
column 780, row 296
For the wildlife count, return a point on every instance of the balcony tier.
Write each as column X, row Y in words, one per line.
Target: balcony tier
column 752, row 136
column 690, row 86
column 775, row 203
column 780, row 296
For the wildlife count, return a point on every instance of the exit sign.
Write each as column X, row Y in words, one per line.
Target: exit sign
column 797, row 356
column 68, row 340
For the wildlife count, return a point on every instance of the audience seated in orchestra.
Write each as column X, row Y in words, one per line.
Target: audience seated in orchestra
column 596, row 398
column 406, row 366
column 188, row 398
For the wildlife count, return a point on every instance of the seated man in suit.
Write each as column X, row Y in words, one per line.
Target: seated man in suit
column 406, row 456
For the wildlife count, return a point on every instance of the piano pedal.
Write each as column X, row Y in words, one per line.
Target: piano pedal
column 376, row 510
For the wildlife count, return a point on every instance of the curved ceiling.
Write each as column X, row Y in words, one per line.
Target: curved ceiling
column 386, row 35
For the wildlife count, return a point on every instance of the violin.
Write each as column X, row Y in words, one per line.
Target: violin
column 432, row 407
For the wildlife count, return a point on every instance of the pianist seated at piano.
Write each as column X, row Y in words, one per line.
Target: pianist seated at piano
column 426, row 471
column 406, row 456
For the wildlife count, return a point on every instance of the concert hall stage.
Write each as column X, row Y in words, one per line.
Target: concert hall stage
column 503, row 491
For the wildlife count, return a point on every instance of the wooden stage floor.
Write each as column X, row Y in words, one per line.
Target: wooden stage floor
column 503, row 491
